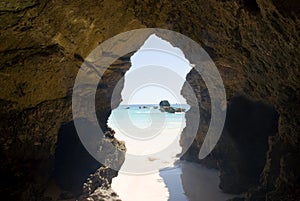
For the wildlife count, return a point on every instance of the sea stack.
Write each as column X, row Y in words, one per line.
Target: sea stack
column 166, row 107
column 164, row 103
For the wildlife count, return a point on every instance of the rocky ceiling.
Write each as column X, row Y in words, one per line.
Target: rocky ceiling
column 255, row 45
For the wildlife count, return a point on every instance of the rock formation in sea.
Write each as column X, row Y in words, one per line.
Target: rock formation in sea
column 164, row 103
column 254, row 44
column 164, row 106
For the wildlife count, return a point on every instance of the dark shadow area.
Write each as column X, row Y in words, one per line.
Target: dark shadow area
column 200, row 183
column 171, row 177
column 251, row 6
column 73, row 163
column 243, row 146
column 287, row 7
column 241, row 152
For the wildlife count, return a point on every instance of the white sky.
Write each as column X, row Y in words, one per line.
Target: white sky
column 152, row 77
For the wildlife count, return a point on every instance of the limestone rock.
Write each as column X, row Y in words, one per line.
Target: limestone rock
column 255, row 45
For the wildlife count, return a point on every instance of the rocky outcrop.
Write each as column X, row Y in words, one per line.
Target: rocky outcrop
column 255, row 45
column 164, row 103
column 166, row 107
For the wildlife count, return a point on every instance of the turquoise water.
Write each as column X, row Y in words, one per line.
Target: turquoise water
column 144, row 122
column 140, row 114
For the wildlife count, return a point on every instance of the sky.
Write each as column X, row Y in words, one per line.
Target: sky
column 157, row 73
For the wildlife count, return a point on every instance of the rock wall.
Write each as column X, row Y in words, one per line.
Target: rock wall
column 258, row 150
column 255, row 45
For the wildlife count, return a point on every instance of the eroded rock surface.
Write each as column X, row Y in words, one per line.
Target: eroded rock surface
column 255, row 45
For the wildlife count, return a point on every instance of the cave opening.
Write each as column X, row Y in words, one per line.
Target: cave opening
column 150, row 119
column 149, row 104
column 155, row 77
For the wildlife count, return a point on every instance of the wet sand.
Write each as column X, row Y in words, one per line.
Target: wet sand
column 185, row 181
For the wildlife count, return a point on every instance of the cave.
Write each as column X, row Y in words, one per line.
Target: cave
column 254, row 44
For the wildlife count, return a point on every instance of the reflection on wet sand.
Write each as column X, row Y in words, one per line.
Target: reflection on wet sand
column 193, row 182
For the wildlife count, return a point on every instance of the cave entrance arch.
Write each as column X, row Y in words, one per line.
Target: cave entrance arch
column 157, row 73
